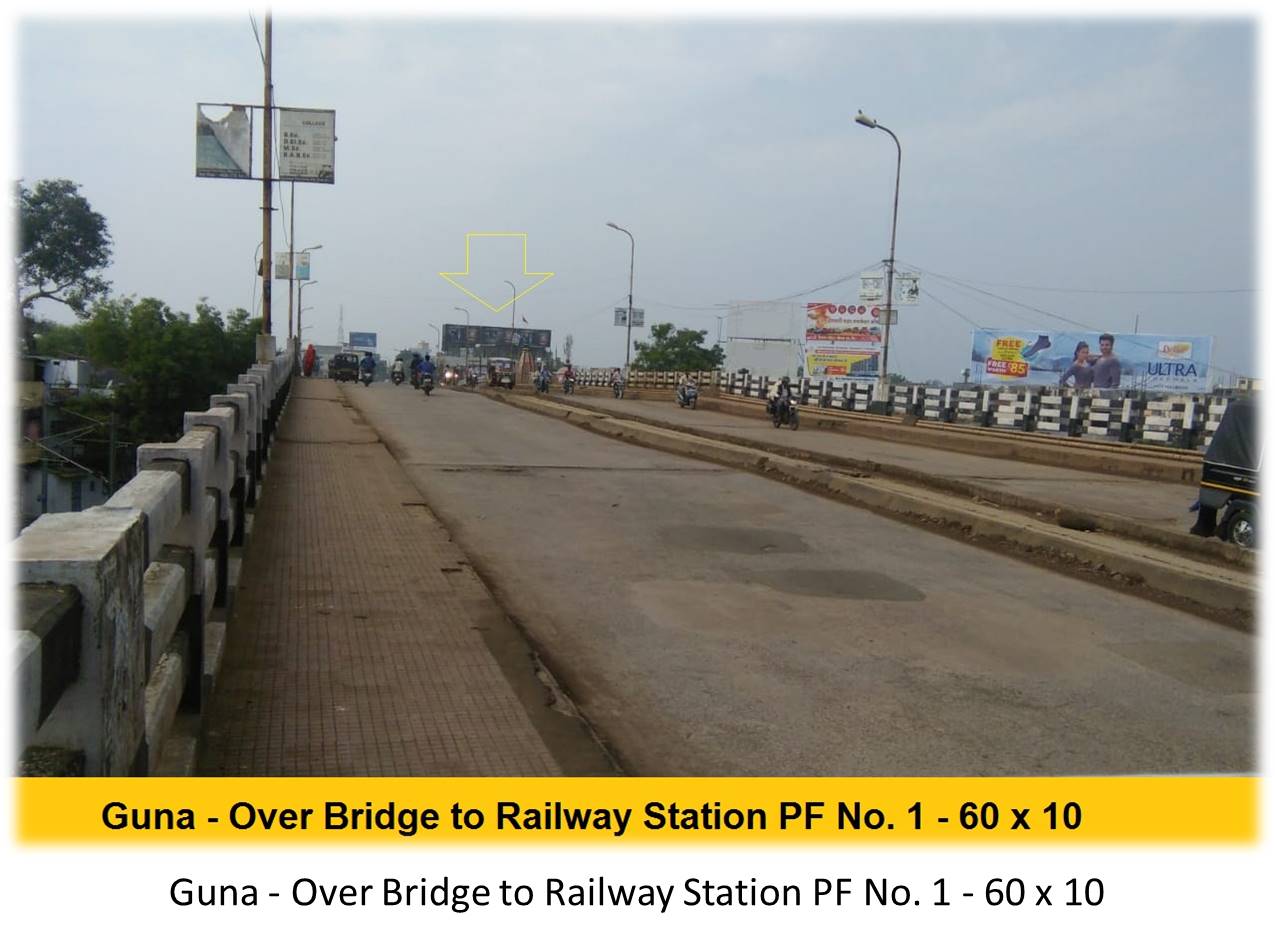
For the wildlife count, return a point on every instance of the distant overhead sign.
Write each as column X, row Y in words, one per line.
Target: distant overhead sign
column 223, row 145
column 362, row 340
column 307, row 145
column 622, row 317
column 871, row 288
column 907, row 287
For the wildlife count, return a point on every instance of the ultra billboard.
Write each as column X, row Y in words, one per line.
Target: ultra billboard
column 458, row 337
column 1091, row 360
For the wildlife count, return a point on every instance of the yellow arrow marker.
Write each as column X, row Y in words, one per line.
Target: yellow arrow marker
column 496, row 235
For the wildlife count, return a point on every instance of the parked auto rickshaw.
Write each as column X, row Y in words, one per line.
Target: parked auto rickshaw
column 500, row 372
column 1228, row 482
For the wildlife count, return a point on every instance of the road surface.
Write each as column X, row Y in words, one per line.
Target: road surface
column 712, row 622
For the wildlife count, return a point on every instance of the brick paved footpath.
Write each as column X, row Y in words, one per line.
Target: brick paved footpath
column 350, row 651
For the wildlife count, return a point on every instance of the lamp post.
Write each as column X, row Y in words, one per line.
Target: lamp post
column 300, row 289
column 628, row 339
column 292, row 271
column 512, row 316
column 439, row 351
column 867, row 122
column 466, row 310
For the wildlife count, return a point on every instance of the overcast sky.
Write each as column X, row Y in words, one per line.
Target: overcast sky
column 1104, row 156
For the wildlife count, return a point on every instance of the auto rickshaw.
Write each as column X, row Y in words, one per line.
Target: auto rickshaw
column 1229, row 480
column 500, row 372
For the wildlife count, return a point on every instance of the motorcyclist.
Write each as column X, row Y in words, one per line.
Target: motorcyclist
column 368, row 363
column 397, row 368
column 617, row 376
column 779, row 395
column 568, row 375
column 544, row 376
column 427, row 367
column 416, row 369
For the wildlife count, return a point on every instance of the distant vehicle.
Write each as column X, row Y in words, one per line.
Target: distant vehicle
column 500, row 372
column 344, row 367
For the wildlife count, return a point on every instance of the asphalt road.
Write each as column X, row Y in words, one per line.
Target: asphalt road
column 712, row 622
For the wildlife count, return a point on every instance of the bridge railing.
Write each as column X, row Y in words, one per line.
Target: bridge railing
column 116, row 642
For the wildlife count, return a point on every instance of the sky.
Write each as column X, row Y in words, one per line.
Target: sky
column 1111, row 161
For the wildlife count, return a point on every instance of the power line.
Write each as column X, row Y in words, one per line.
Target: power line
column 253, row 20
column 995, row 284
column 943, row 303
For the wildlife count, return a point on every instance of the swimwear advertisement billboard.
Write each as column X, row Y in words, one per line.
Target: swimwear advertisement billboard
column 1082, row 359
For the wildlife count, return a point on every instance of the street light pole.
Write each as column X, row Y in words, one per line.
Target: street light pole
column 512, row 315
column 292, row 266
column 300, row 289
column 466, row 310
column 867, row 122
column 628, row 339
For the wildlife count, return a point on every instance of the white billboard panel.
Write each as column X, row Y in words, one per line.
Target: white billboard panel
column 307, row 145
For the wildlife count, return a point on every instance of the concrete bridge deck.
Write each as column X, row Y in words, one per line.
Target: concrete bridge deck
column 357, row 645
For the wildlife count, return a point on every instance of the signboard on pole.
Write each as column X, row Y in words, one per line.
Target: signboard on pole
column 223, row 146
column 871, row 289
column 907, row 287
column 302, row 262
column 282, row 266
column 362, row 340
column 1081, row 359
column 842, row 340
column 307, row 145
column 622, row 317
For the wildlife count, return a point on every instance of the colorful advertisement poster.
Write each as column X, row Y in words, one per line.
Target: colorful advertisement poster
column 1081, row 359
column 842, row 340
column 223, row 146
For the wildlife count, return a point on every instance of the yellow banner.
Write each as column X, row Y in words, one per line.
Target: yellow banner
column 647, row 811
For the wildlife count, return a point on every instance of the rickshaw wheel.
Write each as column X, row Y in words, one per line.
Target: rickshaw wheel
column 1241, row 529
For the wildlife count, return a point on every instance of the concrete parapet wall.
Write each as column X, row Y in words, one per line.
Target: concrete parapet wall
column 116, row 600
column 1170, row 419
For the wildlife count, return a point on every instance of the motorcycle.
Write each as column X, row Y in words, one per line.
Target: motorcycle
column 783, row 411
column 427, row 382
column 542, row 384
column 396, row 376
column 568, row 385
column 617, row 389
column 365, row 377
column 687, row 395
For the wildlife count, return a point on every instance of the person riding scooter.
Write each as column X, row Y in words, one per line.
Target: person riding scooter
column 416, row 370
column 543, row 378
column 568, row 378
column 367, row 367
column 397, row 370
column 778, row 397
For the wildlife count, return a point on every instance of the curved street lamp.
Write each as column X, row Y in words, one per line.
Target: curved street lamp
column 628, row 339
column 867, row 122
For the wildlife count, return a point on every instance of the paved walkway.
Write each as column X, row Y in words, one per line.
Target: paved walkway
column 354, row 648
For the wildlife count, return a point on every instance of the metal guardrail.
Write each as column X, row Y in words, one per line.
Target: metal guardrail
column 115, row 601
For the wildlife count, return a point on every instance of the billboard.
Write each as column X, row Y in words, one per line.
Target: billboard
column 458, row 337
column 307, row 145
column 842, row 340
column 223, row 146
column 362, row 339
column 1083, row 359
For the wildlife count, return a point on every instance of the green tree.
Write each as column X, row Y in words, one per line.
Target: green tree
column 63, row 246
column 672, row 349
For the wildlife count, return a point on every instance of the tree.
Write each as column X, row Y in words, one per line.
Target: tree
column 672, row 349
column 62, row 246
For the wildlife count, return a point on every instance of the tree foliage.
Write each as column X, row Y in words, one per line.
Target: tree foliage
column 171, row 361
column 672, row 349
column 63, row 245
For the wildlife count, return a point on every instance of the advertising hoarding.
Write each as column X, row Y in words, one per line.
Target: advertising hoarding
column 307, row 145
column 1083, row 359
column 458, row 337
column 364, row 340
column 842, row 340
column 223, row 146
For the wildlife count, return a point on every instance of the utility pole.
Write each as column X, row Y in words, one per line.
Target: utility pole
column 267, row 183
column 110, row 459
column 292, row 258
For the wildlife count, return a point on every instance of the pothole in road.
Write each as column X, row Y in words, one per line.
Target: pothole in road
column 841, row 584
column 747, row 540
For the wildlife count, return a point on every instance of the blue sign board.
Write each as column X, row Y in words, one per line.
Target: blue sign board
column 361, row 340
